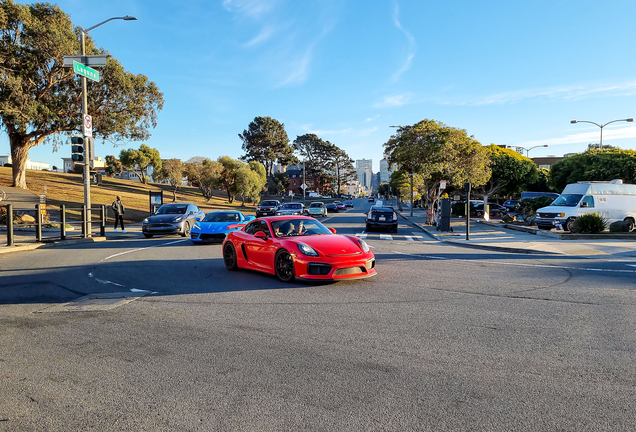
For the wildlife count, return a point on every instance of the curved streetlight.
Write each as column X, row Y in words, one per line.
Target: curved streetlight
column 87, row 159
column 528, row 149
column 629, row 119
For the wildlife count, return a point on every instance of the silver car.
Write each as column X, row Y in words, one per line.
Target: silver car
column 291, row 209
column 175, row 218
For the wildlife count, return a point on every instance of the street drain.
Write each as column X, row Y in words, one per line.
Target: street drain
column 96, row 302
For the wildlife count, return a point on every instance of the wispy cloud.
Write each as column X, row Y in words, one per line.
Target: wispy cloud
column 411, row 44
column 286, row 40
column 572, row 93
column 265, row 34
column 252, row 8
column 624, row 132
column 394, row 100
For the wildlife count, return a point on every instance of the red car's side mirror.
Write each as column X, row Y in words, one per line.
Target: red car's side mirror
column 333, row 230
column 261, row 235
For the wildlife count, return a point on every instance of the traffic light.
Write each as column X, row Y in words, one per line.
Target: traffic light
column 77, row 149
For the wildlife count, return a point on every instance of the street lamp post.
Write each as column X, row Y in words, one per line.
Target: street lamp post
column 528, row 149
column 629, row 119
column 88, row 148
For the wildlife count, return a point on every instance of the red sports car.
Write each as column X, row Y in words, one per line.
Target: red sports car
column 297, row 247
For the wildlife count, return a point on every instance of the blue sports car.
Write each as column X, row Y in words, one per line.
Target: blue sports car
column 215, row 226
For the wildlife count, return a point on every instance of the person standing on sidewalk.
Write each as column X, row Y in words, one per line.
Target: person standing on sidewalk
column 118, row 208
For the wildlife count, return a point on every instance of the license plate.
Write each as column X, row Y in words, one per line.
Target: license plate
column 381, row 218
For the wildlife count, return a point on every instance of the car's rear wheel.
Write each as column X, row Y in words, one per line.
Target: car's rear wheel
column 367, row 228
column 630, row 221
column 147, row 235
column 395, row 229
column 284, row 265
column 229, row 257
column 186, row 230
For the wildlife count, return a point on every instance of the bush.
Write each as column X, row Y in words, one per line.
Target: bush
column 589, row 223
column 459, row 209
column 529, row 206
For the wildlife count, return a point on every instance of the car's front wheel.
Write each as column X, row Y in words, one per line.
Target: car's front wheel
column 229, row 257
column 284, row 266
column 186, row 230
column 147, row 235
column 569, row 224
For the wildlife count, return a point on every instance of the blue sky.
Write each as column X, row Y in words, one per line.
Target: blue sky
column 508, row 72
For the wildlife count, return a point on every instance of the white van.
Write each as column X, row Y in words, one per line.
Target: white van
column 612, row 200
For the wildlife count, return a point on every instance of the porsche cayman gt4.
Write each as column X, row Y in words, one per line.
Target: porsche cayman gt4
column 292, row 247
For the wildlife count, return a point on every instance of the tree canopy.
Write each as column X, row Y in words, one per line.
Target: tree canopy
column 266, row 141
column 40, row 99
column 594, row 165
column 138, row 161
column 172, row 171
column 438, row 152
column 511, row 172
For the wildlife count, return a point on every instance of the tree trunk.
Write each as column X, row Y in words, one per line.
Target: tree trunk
column 174, row 195
column 19, row 155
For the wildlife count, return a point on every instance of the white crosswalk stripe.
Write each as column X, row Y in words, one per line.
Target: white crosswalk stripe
column 385, row 237
column 409, row 238
column 361, row 235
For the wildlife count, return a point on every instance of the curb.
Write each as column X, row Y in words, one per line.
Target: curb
column 486, row 247
column 32, row 246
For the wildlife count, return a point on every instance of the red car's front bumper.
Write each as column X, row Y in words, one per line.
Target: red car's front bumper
column 325, row 268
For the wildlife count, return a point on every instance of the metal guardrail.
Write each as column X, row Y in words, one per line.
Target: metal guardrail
column 63, row 222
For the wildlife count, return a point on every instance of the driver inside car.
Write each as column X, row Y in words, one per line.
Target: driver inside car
column 296, row 228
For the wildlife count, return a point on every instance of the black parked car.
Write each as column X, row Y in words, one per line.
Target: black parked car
column 174, row 218
column 510, row 205
column 267, row 208
column 382, row 218
column 332, row 208
column 495, row 210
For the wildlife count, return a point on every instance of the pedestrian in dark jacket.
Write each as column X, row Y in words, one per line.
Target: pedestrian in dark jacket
column 118, row 208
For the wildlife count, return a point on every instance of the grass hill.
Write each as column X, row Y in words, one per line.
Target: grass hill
column 68, row 189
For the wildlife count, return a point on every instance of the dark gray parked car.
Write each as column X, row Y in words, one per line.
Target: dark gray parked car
column 175, row 218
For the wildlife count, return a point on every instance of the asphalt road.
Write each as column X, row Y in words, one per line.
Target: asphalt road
column 443, row 339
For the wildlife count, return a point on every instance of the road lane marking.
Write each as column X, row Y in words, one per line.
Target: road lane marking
column 517, row 264
column 409, row 238
column 385, row 237
column 138, row 249
column 361, row 235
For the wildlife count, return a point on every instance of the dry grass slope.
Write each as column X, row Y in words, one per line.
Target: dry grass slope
column 68, row 189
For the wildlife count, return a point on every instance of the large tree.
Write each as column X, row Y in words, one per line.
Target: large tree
column 172, row 171
column 266, row 141
column 318, row 156
column 438, row 152
column 40, row 100
column 138, row 161
column 511, row 172
column 204, row 174
column 343, row 167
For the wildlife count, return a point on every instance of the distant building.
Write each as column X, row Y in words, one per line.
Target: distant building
column 68, row 165
column 546, row 162
column 364, row 168
column 30, row 165
column 385, row 171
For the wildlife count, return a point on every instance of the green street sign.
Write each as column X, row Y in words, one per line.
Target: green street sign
column 85, row 71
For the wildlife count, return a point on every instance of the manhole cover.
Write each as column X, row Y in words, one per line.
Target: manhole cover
column 97, row 302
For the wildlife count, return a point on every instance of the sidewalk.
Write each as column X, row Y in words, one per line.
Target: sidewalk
column 494, row 235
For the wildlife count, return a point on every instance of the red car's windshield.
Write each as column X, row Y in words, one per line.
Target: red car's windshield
column 296, row 227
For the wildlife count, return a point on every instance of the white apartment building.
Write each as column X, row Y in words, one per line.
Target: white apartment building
column 30, row 165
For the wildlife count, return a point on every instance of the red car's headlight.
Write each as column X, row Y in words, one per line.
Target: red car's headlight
column 364, row 245
column 307, row 250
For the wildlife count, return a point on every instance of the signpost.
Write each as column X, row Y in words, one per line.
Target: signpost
column 85, row 71
column 88, row 126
